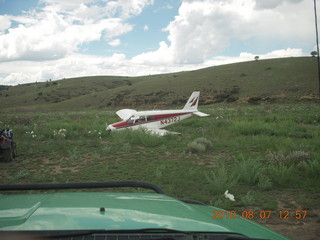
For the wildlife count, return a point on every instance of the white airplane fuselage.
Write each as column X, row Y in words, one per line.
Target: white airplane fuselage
column 152, row 119
column 155, row 120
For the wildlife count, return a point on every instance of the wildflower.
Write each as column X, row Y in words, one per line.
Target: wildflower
column 61, row 132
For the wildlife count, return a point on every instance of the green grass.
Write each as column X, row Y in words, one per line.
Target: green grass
column 262, row 154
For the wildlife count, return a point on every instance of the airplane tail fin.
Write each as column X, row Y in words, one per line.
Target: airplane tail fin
column 192, row 105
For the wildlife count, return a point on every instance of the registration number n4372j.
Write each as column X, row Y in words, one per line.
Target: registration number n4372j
column 170, row 120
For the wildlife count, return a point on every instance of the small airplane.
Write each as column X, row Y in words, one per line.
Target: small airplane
column 154, row 120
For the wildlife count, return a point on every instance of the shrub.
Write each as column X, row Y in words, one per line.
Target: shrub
column 264, row 183
column 221, row 179
column 160, row 170
column 294, row 157
column 248, row 199
column 126, row 147
column 107, row 149
column 196, row 147
column 207, row 143
column 313, row 169
column 200, row 145
column 248, row 170
column 282, row 175
column 299, row 156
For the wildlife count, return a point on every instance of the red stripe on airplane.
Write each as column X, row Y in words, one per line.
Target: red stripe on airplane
column 195, row 102
column 123, row 124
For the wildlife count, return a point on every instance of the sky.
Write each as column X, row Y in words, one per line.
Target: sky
column 43, row 40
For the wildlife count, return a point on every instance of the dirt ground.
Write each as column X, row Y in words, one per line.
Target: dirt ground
column 296, row 229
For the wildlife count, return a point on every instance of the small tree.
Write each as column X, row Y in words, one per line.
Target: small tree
column 256, row 58
column 314, row 53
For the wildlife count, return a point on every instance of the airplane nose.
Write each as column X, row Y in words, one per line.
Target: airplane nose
column 110, row 128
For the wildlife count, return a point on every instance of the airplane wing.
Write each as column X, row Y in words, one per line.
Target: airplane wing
column 160, row 132
column 124, row 114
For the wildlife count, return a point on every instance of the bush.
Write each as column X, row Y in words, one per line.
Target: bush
column 282, row 175
column 196, row 147
column 313, row 169
column 264, row 183
column 248, row 199
column 221, row 180
column 294, row 157
column 200, row 145
column 248, row 171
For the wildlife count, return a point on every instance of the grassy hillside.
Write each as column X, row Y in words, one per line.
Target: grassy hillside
column 286, row 79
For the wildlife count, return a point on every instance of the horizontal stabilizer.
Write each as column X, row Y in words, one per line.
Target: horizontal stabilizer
column 124, row 114
column 201, row 114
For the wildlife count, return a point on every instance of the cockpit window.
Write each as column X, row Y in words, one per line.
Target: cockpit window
column 131, row 119
column 134, row 119
column 141, row 119
column 149, row 118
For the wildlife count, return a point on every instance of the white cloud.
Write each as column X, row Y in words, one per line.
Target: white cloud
column 127, row 8
column 115, row 42
column 146, row 28
column 57, row 39
column 62, row 26
column 263, row 4
column 289, row 52
column 114, row 27
column 292, row 21
column 197, row 37
column 5, row 23
column 162, row 56
column 205, row 28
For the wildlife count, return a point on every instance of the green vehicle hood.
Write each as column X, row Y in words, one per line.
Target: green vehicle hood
column 122, row 211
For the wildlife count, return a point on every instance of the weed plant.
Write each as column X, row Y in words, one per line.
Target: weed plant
column 283, row 176
column 264, row 183
column 248, row 170
column 248, row 199
column 221, row 179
